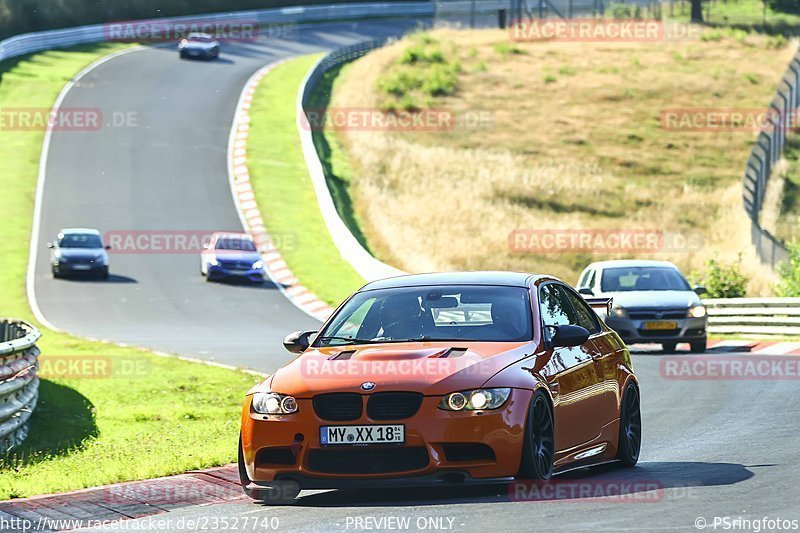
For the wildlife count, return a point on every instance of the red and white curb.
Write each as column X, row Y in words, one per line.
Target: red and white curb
column 755, row 347
column 122, row 501
column 253, row 223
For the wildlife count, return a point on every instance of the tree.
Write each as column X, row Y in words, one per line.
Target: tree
column 697, row 11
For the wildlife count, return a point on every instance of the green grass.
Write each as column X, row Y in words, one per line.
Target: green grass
column 334, row 158
column 283, row 188
column 169, row 417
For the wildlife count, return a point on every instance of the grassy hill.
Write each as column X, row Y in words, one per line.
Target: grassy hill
column 554, row 135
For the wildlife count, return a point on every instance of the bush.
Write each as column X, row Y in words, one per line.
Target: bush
column 789, row 273
column 785, row 6
column 722, row 280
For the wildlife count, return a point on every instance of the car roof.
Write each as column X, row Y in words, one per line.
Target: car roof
column 232, row 235
column 83, row 231
column 512, row 279
column 631, row 263
column 200, row 35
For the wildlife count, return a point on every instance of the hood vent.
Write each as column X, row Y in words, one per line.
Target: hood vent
column 453, row 352
column 342, row 356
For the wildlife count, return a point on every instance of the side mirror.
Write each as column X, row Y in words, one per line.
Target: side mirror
column 298, row 342
column 107, row 246
column 567, row 336
column 699, row 289
column 586, row 290
column 51, row 245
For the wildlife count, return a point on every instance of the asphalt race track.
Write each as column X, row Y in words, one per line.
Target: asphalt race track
column 167, row 172
column 711, row 448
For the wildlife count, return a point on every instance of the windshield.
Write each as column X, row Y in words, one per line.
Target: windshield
column 643, row 279
column 80, row 240
column 200, row 38
column 235, row 243
column 432, row 313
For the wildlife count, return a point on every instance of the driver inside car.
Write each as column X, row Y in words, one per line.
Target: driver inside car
column 402, row 317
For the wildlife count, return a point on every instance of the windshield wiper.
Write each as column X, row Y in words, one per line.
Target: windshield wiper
column 349, row 340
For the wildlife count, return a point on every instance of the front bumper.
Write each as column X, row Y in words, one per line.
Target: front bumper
column 220, row 272
column 433, row 438
column 633, row 331
column 198, row 52
column 79, row 268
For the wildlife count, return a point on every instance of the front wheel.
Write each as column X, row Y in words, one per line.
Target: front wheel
column 698, row 346
column 280, row 493
column 669, row 346
column 630, row 427
column 538, row 453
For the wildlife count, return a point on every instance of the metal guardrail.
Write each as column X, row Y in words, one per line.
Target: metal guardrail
column 37, row 41
column 766, row 153
column 19, row 384
column 367, row 266
column 754, row 316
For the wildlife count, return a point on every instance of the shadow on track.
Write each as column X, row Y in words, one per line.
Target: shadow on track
column 667, row 479
column 94, row 278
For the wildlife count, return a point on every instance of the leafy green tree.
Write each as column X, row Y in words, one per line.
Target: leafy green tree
column 789, row 273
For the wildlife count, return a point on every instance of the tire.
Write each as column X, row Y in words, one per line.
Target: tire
column 698, row 346
column 104, row 273
column 281, row 492
column 56, row 273
column 630, row 427
column 538, row 449
column 669, row 346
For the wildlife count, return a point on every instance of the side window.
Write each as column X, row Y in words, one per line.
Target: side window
column 587, row 278
column 554, row 307
column 586, row 317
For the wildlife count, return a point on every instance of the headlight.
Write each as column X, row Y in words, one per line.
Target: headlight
column 213, row 262
column 100, row 260
column 258, row 264
column 698, row 311
column 475, row 400
column 271, row 403
column 619, row 312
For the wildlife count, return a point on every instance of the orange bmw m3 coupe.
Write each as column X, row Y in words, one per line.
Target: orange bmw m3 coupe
column 450, row 378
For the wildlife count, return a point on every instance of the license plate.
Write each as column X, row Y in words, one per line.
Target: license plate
column 660, row 325
column 81, row 267
column 355, row 435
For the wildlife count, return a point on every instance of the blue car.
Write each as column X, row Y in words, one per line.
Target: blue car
column 232, row 256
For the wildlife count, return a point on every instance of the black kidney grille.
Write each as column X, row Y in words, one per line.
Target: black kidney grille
column 393, row 405
column 338, row 406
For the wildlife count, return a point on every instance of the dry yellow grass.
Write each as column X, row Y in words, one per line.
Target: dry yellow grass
column 575, row 141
